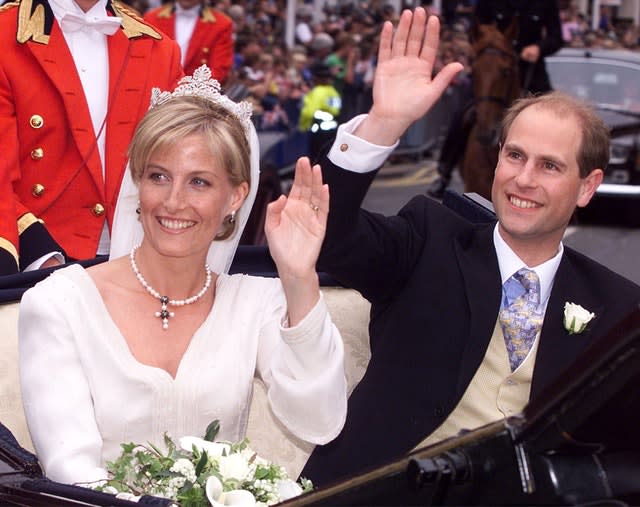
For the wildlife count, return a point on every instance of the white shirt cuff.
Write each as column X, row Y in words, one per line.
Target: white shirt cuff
column 354, row 153
column 40, row 261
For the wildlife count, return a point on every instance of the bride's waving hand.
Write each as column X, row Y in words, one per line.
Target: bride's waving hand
column 295, row 228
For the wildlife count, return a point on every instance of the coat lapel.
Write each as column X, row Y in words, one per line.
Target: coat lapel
column 57, row 62
column 129, row 98
column 557, row 348
column 196, row 41
column 204, row 27
column 481, row 277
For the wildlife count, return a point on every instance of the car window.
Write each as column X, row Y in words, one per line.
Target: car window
column 605, row 83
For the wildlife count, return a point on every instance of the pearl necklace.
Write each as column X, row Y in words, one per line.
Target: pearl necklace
column 164, row 313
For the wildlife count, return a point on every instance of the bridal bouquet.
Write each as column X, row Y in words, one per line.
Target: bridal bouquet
column 198, row 472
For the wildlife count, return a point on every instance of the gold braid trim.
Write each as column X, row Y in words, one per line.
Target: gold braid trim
column 8, row 6
column 208, row 16
column 9, row 247
column 166, row 11
column 132, row 24
column 31, row 26
column 206, row 13
column 26, row 221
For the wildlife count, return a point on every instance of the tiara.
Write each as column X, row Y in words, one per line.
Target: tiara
column 201, row 84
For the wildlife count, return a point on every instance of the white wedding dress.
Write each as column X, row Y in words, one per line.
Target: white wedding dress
column 84, row 393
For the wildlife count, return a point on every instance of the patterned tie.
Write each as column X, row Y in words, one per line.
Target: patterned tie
column 521, row 320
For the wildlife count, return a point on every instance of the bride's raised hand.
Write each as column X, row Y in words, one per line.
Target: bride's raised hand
column 295, row 225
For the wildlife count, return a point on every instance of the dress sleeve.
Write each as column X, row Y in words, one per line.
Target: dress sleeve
column 55, row 390
column 303, row 369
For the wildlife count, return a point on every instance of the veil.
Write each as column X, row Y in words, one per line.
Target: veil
column 126, row 231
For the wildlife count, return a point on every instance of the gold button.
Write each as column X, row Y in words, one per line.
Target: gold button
column 204, row 60
column 98, row 210
column 205, row 50
column 37, row 153
column 37, row 190
column 36, row 121
column 344, row 147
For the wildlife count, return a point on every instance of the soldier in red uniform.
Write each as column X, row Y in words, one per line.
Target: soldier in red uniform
column 75, row 79
column 205, row 34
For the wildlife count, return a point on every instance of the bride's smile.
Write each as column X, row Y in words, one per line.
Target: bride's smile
column 185, row 197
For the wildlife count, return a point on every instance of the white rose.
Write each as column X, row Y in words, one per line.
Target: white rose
column 234, row 466
column 287, row 489
column 576, row 318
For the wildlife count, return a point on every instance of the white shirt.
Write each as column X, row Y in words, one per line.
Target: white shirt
column 509, row 263
column 186, row 20
column 90, row 54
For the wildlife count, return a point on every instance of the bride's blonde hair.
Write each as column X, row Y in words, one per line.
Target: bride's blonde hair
column 167, row 124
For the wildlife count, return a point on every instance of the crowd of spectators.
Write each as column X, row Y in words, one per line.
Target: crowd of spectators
column 275, row 78
column 344, row 36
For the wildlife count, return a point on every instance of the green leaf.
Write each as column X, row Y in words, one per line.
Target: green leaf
column 127, row 448
column 169, row 443
column 202, row 462
column 155, row 449
column 212, row 430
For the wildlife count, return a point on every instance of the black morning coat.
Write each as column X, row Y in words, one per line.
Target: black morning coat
column 434, row 284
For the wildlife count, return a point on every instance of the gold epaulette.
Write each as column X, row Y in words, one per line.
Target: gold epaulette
column 32, row 25
column 132, row 24
column 208, row 15
column 166, row 11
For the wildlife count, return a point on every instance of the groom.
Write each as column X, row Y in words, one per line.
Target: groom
column 443, row 290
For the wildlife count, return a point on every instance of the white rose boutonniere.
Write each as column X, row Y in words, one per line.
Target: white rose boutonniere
column 576, row 318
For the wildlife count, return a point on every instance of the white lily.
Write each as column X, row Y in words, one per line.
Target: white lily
column 219, row 498
column 214, row 449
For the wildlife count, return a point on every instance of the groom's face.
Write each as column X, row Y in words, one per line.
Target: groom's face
column 537, row 183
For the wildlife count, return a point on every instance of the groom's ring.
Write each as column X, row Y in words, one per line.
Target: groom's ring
column 314, row 207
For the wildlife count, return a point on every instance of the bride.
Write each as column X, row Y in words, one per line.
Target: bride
column 160, row 339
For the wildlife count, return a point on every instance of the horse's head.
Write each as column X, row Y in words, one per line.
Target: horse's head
column 496, row 82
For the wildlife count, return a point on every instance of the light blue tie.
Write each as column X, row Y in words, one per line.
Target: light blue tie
column 521, row 319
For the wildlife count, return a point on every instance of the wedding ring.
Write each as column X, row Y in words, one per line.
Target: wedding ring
column 314, row 207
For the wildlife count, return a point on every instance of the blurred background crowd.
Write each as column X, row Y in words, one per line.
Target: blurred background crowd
column 337, row 48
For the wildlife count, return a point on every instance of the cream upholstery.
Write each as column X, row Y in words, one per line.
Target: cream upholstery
column 11, row 412
column 350, row 312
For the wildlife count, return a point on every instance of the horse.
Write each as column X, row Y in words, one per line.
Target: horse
column 496, row 84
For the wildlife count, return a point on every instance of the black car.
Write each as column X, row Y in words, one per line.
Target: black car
column 609, row 79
